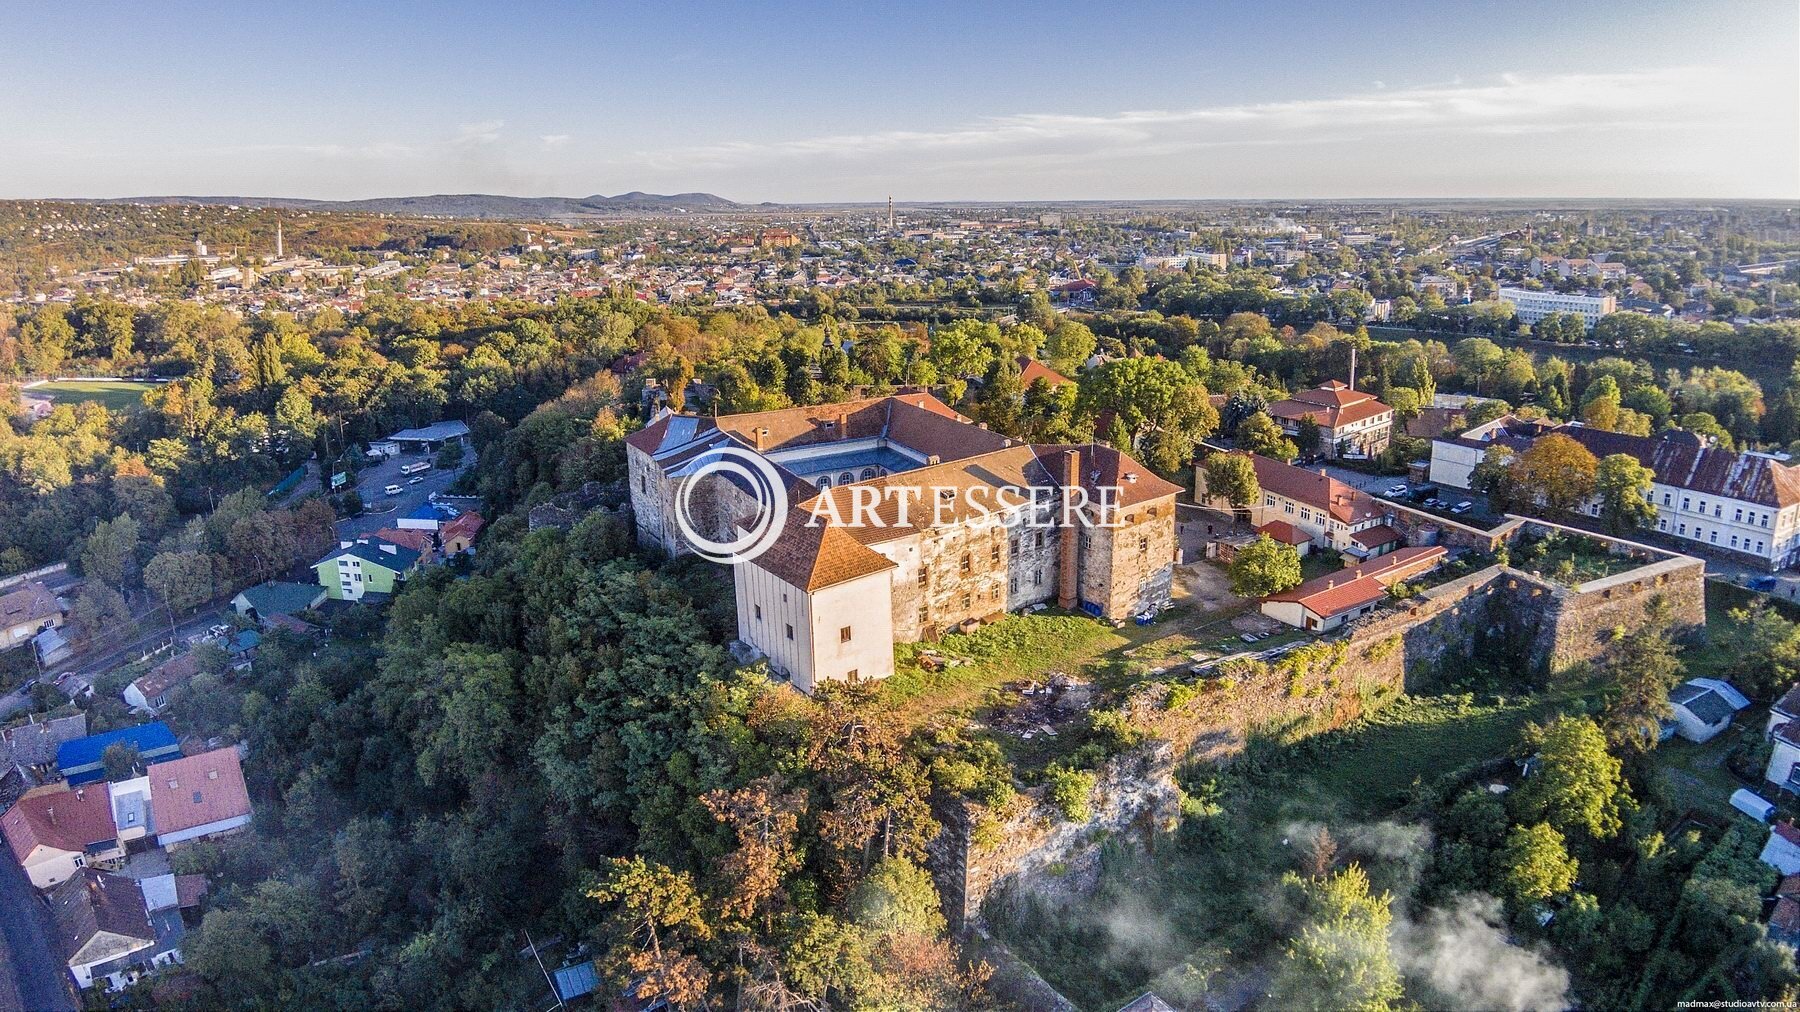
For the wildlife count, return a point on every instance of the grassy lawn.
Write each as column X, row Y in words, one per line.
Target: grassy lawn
column 1697, row 771
column 114, row 395
column 1319, row 562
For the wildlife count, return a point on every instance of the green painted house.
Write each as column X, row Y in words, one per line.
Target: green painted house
column 363, row 567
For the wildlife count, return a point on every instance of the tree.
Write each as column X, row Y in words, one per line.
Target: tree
column 1535, row 865
column 1306, row 434
column 1340, row 958
column 120, row 760
column 653, row 929
column 1555, row 472
column 898, row 895
column 964, row 349
column 110, row 552
column 1232, row 477
column 1623, row 485
column 1264, row 567
column 1642, row 667
column 100, row 611
column 1069, row 345
column 1259, row 434
column 1577, row 784
column 765, row 819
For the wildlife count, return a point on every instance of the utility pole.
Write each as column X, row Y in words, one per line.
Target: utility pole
column 554, row 993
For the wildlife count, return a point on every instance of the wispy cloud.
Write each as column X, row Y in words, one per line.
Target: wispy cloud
column 485, row 132
column 554, row 140
column 1511, row 104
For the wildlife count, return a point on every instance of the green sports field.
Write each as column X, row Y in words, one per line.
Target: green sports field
column 115, row 395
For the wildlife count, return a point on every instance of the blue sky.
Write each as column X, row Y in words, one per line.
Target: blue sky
column 791, row 101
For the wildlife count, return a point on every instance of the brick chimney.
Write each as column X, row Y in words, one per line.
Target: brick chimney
column 759, row 438
column 1067, row 557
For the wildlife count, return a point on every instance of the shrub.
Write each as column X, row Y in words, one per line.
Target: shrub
column 1071, row 791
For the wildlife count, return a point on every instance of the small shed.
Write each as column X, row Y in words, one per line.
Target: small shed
column 1752, row 804
column 1703, row 707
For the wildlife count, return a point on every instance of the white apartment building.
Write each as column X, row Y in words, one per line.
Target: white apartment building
column 1741, row 504
column 1331, row 514
column 1534, row 306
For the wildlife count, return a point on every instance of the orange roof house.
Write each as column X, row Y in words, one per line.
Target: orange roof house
column 198, row 796
column 1326, row 602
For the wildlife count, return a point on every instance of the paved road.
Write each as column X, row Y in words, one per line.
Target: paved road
column 385, row 510
column 37, row 976
column 87, row 668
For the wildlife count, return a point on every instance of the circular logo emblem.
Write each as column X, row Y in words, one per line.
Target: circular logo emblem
column 751, row 473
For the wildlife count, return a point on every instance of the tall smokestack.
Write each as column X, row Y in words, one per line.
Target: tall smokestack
column 1068, row 539
column 1353, row 367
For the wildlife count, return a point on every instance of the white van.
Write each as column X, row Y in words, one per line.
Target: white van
column 392, row 490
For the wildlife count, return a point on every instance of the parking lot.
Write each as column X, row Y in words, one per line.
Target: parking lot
column 381, row 509
column 1477, row 515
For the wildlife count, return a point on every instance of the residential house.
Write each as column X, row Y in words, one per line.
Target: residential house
column 1784, row 758
column 106, row 932
column 365, row 566
column 1742, row 505
column 1351, row 423
column 1702, row 707
column 459, row 535
column 422, row 541
column 1327, row 602
column 276, row 597
column 54, row 832
column 1031, row 370
column 130, row 808
column 32, row 746
column 1782, row 852
column 150, row 692
column 27, row 611
column 1284, row 533
column 197, row 797
column 82, row 761
column 1331, row 514
column 1784, row 919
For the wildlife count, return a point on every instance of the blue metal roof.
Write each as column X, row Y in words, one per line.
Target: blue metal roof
column 574, row 981
column 75, row 758
column 434, row 511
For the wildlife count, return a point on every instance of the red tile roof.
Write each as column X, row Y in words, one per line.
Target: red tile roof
column 1787, row 831
column 197, row 789
column 1285, row 532
column 1332, row 405
column 411, row 537
column 1786, row 915
column 1336, row 593
column 1031, row 370
column 1376, row 537
column 60, row 820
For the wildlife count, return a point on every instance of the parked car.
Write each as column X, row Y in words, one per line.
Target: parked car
column 1462, row 507
column 1432, row 503
column 414, row 480
column 1396, row 489
column 392, row 490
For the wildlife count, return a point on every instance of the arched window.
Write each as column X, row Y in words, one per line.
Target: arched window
column 824, row 481
column 867, row 473
column 846, row 478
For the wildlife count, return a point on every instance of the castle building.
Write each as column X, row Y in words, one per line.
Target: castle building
column 907, row 521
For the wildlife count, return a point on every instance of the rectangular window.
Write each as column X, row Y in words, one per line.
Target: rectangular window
column 1734, row 541
column 1039, row 542
column 1714, row 539
column 758, row 610
column 1682, row 530
column 994, row 552
column 790, row 631
column 844, row 635
column 1686, row 503
column 924, row 577
column 1013, row 551
column 1759, row 547
column 1662, row 525
column 1143, row 546
column 1037, row 578
column 1012, row 585
column 968, row 601
column 967, row 562
column 1719, row 511
column 1666, row 498
column 1737, row 516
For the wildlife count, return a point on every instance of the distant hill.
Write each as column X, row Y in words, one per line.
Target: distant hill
column 472, row 205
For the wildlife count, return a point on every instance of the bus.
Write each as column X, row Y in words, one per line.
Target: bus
column 422, row 465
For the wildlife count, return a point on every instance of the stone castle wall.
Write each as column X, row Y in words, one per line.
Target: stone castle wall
column 1550, row 626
